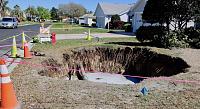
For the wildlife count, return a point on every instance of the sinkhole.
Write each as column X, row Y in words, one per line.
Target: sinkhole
column 91, row 64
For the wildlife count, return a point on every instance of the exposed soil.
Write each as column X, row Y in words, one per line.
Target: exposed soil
column 36, row 91
column 127, row 61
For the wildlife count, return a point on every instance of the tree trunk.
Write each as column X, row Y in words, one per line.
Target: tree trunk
column 168, row 29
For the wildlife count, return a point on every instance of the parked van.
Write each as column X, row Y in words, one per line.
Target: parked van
column 9, row 22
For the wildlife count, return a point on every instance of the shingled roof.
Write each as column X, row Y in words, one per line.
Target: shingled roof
column 88, row 15
column 113, row 9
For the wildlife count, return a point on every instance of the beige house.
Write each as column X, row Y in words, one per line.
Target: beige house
column 87, row 19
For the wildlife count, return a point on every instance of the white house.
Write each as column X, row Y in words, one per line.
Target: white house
column 104, row 12
column 136, row 12
column 87, row 19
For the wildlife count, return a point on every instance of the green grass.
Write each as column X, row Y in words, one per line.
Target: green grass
column 61, row 28
column 63, row 44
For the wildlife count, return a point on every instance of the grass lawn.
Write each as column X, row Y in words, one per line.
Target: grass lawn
column 52, row 93
column 61, row 28
column 81, row 42
column 28, row 22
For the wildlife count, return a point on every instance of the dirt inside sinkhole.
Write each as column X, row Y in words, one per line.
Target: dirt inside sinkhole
column 126, row 61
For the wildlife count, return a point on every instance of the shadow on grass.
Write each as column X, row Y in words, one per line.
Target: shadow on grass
column 131, row 43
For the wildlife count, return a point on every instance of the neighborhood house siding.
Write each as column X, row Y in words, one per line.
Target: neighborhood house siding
column 81, row 21
column 100, row 17
column 105, row 11
column 89, row 21
column 124, row 17
column 140, row 6
column 107, row 19
column 137, row 21
column 101, row 22
column 137, row 14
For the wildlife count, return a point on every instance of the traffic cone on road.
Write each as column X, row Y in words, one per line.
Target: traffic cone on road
column 27, row 54
column 23, row 40
column 14, row 48
column 8, row 97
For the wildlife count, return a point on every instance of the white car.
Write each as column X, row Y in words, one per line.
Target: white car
column 9, row 22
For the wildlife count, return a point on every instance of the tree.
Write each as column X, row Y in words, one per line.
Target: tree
column 115, row 18
column 43, row 13
column 31, row 11
column 72, row 10
column 17, row 11
column 183, row 12
column 3, row 7
column 167, row 11
column 54, row 14
column 158, row 11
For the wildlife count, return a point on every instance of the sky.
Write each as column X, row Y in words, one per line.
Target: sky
column 90, row 5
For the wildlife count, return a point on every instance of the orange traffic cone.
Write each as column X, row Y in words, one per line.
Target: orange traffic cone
column 27, row 54
column 8, row 97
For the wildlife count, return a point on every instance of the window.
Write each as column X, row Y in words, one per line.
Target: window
column 7, row 19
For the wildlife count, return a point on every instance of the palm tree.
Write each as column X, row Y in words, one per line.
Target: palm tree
column 1, row 4
column 17, row 11
column 3, row 7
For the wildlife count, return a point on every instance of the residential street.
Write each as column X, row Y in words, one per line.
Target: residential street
column 30, row 30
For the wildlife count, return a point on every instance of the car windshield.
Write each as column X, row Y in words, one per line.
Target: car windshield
column 7, row 19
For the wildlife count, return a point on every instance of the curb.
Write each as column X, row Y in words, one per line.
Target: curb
column 11, row 66
column 26, row 25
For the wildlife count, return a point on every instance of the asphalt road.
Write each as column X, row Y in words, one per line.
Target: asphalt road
column 30, row 30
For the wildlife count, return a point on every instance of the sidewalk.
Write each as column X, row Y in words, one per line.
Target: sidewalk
column 80, row 36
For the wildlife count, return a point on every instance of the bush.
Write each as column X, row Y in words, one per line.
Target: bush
column 118, row 25
column 94, row 25
column 174, row 39
column 147, row 33
column 115, row 18
column 193, row 37
column 127, row 27
column 35, row 40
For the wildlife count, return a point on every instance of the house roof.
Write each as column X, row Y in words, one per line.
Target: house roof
column 113, row 9
column 131, row 11
column 88, row 15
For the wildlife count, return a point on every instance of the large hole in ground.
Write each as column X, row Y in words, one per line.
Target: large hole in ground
column 126, row 61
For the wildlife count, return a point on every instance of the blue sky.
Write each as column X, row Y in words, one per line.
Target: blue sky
column 88, row 4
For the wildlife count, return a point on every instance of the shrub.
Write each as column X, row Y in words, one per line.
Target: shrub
column 35, row 40
column 175, row 39
column 115, row 18
column 147, row 33
column 118, row 25
column 94, row 25
column 193, row 37
column 127, row 27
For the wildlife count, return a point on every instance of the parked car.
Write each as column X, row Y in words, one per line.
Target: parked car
column 9, row 22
